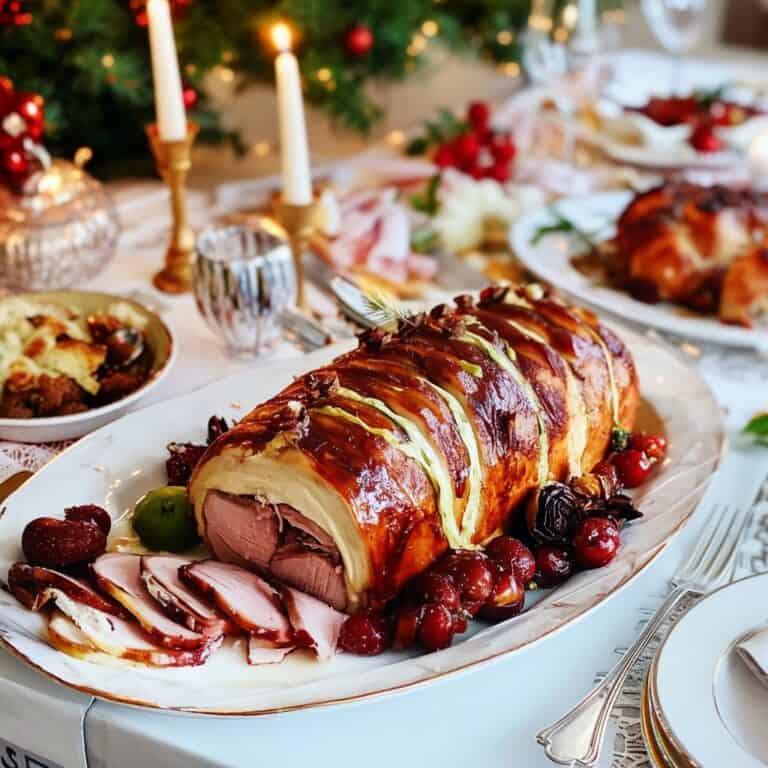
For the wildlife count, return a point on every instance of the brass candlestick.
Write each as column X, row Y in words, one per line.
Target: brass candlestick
column 299, row 223
column 173, row 159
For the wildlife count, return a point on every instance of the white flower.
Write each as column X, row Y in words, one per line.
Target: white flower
column 467, row 206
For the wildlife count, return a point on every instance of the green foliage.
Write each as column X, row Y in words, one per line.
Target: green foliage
column 61, row 55
column 758, row 428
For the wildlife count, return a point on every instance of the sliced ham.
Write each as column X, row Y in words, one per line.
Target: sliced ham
column 118, row 574
column 160, row 575
column 311, row 572
column 92, row 635
column 243, row 596
column 240, row 530
column 315, row 624
column 36, row 587
column 263, row 652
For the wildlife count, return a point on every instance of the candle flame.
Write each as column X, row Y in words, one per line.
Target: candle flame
column 281, row 37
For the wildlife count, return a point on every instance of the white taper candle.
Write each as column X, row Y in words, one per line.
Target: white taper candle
column 169, row 98
column 297, row 179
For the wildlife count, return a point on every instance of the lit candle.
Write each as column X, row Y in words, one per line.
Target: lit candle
column 297, row 181
column 169, row 99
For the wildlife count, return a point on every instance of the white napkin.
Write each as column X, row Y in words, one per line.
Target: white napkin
column 753, row 651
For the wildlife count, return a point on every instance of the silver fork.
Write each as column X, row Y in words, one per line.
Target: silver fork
column 577, row 738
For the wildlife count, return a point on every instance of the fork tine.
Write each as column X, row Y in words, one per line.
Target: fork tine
column 717, row 546
column 721, row 571
column 705, row 539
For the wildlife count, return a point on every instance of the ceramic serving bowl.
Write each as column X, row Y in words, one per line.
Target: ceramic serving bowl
column 49, row 429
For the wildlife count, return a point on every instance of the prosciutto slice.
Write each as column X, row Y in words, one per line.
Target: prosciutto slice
column 246, row 598
column 89, row 634
column 160, row 575
column 316, row 624
column 118, row 574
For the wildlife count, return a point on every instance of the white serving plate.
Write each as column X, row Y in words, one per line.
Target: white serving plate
column 711, row 707
column 116, row 465
column 55, row 428
column 550, row 260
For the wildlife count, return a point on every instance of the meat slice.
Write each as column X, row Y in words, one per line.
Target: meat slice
column 264, row 652
column 312, row 572
column 92, row 635
column 243, row 596
column 316, row 624
column 240, row 530
column 36, row 587
column 118, row 574
column 160, row 575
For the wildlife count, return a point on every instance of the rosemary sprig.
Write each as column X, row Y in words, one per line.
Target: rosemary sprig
column 758, row 428
column 566, row 226
column 383, row 308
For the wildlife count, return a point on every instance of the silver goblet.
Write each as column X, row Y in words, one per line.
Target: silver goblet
column 243, row 280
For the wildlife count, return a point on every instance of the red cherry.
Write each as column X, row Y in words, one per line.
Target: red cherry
column 608, row 472
column 444, row 156
column 704, row 139
column 478, row 115
column 553, row 565
column 633, row 467
column 459, row 624
column 30, row 107
column 503, row 148
column 471, row 573
column 466, row 149
column 15, row 162
column 436, row 630
column 359, row 40
column 439, row 588
column 366, row 634
column 653, row 446
column 506, row 600
column 510, row 555
column 596, row 542
column 476, row 171
column 407, row 623
column 500, row 172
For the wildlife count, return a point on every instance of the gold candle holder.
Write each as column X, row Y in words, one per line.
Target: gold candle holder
column 173, row 160
column 299, row 222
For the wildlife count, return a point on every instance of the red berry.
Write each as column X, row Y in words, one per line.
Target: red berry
column 704, row 139
column 471, row 573
column 553, row 565
column 596, row 542
column 478, row 115
column 459, row 624
column 653, row 446
column 510, row 555
column 439, row 588
column 470, row 608
column 366, row 634
column 30, row 107
column 633, row 467
column 506, row 600
column 15, row 162
column 503, row 148
column 436, row 630
column 466, row 149
column 444, row 156
column 500, row 172
column 476, row 171
column 407, row 623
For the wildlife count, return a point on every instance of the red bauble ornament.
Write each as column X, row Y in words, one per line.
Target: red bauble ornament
column 12, row 14
column 15, row 162
column 190, row 97
column 359, row 40
column 139, row 10
column 22, row 120
column 30, row 107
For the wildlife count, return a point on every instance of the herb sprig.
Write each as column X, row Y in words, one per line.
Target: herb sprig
column 564, row 225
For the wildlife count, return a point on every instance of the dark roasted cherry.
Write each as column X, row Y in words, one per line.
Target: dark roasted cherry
column 436, row 630
column 596, row 542
column 510, row 555
column 553, row 565
column 431, row 587
column 653, row 446
column 181, row 462
column 506, row 600
column 217, row 425
column 633, row 467
column 90, row 513
column 366, row 634
column 471, row 572
column 407, row 623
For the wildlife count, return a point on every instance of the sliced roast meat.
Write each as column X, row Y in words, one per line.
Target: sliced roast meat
column 311, row 572
column 240, row 530
column 321, row 539
column 89, row 634
column 315, row 624
column 36, row 587
column 264, row 652
column 118, row 574
column 243, row 596
column 160, row 575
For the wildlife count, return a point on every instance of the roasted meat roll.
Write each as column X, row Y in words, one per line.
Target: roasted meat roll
column 704, row 247
column 357, row 476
